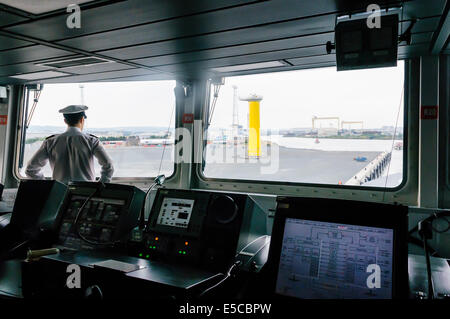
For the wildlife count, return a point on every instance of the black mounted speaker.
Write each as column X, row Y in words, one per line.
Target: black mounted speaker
column 359, row 46
column 224, row 209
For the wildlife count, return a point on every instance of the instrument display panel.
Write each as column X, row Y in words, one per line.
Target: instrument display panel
column 175, row 212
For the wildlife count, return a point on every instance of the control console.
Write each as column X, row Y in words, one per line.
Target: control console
column 204, row 229
column 98, row 214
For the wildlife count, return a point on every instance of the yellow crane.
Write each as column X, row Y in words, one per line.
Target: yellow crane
column 315, row 118
column 352, row 122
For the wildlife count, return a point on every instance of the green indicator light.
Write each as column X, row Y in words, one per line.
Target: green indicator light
column 140, row 255
column 179, row 252
column 184, row 253
column 154, row 247
column 147, row 256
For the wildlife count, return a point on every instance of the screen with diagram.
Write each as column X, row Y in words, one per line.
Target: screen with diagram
column 175, row 212
column 321, row 260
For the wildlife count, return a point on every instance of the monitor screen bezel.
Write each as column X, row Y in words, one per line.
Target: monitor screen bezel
column 343, row 212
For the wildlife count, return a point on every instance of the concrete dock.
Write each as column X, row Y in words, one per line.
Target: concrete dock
column 294, row 165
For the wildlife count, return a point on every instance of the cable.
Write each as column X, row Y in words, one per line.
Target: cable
column 214, row 102
column 426, row 232
column 226, row 276
column 159, row 180
column 142, row 213
column 393, row 140
column 37, row 95
column 429, row 276
column 167, row 134
column 84, row 204
column 80, row 210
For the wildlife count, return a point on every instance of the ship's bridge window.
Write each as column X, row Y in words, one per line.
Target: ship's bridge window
column 133, row 120
column 315, row 126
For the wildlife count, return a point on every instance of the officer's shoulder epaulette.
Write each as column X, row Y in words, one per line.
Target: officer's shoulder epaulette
column 93, row 135
column 50, row 136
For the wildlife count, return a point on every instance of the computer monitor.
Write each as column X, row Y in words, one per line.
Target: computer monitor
column 338, row 249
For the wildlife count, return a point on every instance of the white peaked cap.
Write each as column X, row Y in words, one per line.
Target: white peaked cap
column 72, row 109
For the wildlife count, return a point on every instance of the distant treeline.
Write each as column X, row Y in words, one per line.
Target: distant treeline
column 32, row 140
column 124, row 138
column 360, row 137
column 112, row 138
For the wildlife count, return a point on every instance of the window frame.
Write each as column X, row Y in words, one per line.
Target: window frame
column 21, row 135
column 265, row 184
column 444, row 133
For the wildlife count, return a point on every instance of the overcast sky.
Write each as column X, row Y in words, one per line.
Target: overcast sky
column 110, row 104
column 290, row 99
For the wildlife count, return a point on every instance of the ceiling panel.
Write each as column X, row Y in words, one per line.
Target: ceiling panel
column 101, row 76
column 423, row 8
column 251, row 40
column 416, row 8
column 287, row 44
column 21, row 68
column 291, row 43
column 32, row 53
column 424, row 37
column 9, row 81
column 313, row 59
column 96, row 68
column 289, row 55
column 236, row 37
column 119, row 15
column 7, row 43
column 7, row 18
column 188, row 38
column 264, row 33
column 282, row 69
column 424, row 25
column 245, row 59
column 42, row 76
column 39, row 7
column 120, row 38
column 147, row 77
column 32, row 67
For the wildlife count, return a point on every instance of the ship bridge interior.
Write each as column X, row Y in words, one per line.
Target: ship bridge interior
column 227, row 233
